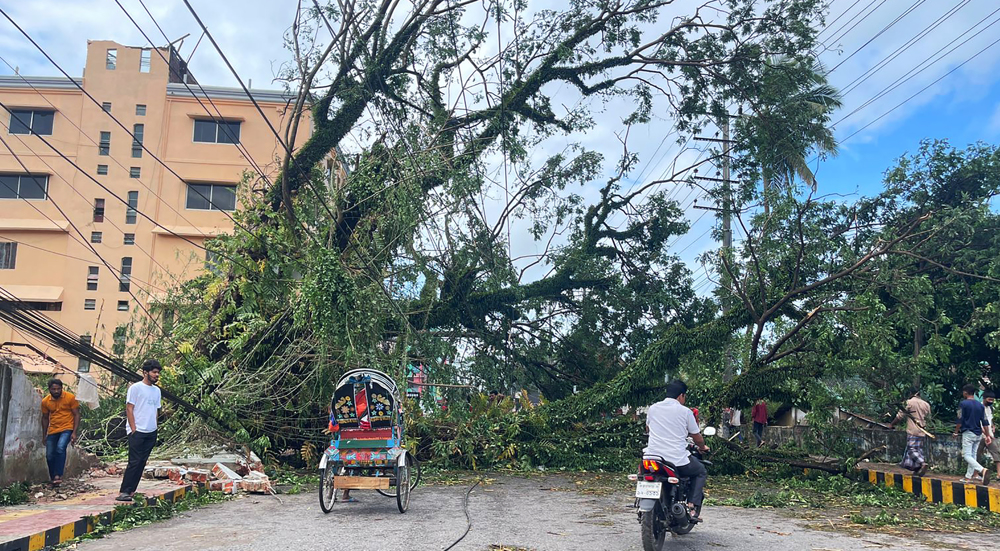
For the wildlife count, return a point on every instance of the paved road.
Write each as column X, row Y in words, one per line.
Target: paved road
column 544, row 514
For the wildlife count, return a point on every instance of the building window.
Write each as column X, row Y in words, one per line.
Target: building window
column 120, row 339
column 92, row 272
column 126, row 276
column 23, row 186
column 134, row 172
column 130, row 239
column 96, row 237
column 98, row 210
column 104, row 148
column 43, row 306
column 26, row 121
column 102, row 170
column 211, row 197
column 212, row 262
column 106, row 106
column 137, row 130
column 140, row 110
column 83, row 365
column 144, row 57
column 123, row 306
column 90, row 304
column 8, row 255
column 112, row 59
column 133, row 202
column 209, row 131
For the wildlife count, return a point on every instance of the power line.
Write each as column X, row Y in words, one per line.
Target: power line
column 871, row 71
column 233, row 139
column 105, row 188
column 914, row 71
column 89, row 138
column 119, row 123
column 878, row 34
column 288, row 151
column 47, row 330
column 85, row 198
column 922, row 89
column 71, row 257
column 839, row 36
column 75, row 228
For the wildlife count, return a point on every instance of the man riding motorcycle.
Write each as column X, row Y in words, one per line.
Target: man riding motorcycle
column 670, row 423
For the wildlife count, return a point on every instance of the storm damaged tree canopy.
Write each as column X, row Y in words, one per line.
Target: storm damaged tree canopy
column 454, row 121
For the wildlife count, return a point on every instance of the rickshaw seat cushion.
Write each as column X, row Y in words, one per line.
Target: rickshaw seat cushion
column 360, row 434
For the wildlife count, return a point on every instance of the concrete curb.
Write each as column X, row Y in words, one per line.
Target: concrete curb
column 87, row 524
column 935, row 490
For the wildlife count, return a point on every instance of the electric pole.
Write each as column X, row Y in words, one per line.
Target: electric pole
column 727, row 214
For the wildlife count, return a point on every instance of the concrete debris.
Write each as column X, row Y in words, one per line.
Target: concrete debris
column 256, row 486
column 222, row 472
column 219, row 469
column 198, row 475
column 226, row 486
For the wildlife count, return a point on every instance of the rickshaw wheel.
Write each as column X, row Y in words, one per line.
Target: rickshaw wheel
column 403, row 484
column 414, row 475
column 327, row 491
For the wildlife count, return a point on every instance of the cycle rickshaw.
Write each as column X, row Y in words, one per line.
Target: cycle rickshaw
column 366, row 452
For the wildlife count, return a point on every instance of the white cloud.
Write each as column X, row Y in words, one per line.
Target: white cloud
column 251, row 33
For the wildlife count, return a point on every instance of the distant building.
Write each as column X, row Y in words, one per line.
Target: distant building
column 43, row 259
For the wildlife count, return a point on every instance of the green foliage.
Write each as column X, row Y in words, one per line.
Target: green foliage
column 15, row 494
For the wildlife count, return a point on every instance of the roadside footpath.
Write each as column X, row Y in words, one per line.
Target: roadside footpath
column 51, row 521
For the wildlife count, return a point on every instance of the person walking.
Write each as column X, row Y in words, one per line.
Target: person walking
column 970, row 425
column 759, row 416
column 915, row 413
column 993, row 446
column 141, row 406
column 735, row 423
column 60, row 421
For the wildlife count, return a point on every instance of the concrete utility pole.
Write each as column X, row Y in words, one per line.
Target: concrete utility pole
column 727, row 215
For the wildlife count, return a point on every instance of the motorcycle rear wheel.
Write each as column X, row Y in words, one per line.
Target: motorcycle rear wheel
column 654, row 531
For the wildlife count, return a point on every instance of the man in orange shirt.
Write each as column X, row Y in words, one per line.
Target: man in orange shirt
column 60, row 420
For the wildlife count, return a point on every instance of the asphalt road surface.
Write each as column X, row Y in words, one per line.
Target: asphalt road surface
column 538, row 513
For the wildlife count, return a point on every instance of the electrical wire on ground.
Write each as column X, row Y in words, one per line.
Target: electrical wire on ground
column 468, row 519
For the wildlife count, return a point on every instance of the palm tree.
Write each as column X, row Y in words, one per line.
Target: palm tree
column 787, row 130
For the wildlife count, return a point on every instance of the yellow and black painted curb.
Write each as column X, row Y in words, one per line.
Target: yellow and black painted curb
column 935, row 490
column 87, row 524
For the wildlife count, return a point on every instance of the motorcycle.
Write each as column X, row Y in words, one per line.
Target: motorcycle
column 661, row 499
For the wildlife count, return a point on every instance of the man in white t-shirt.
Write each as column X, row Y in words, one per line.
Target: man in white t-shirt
column 670, row 423
column 142, row 403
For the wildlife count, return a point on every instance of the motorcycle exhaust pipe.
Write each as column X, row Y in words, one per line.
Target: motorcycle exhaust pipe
column 679, row 511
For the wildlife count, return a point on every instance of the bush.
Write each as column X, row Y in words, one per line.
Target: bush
column 15, row 494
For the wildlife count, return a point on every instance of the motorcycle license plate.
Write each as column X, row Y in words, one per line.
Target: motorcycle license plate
column 648, row 490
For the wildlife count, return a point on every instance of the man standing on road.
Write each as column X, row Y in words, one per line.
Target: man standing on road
column 759, row 416
column 670, row 424
column 970, row 425
column 915, row 412
column 992, row 445
column 141, row 406
column 60, row 421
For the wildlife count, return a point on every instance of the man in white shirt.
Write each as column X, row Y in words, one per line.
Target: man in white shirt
column 141, row 406
column 670, row 424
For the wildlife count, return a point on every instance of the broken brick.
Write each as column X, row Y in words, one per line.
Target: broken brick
column 227, row 486
column 198, row 475
column 255, row 486
column 222, row 472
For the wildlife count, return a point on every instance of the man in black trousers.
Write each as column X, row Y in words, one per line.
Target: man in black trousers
column 141, row 406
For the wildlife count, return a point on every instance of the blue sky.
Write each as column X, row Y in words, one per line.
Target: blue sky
column 963, row 107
